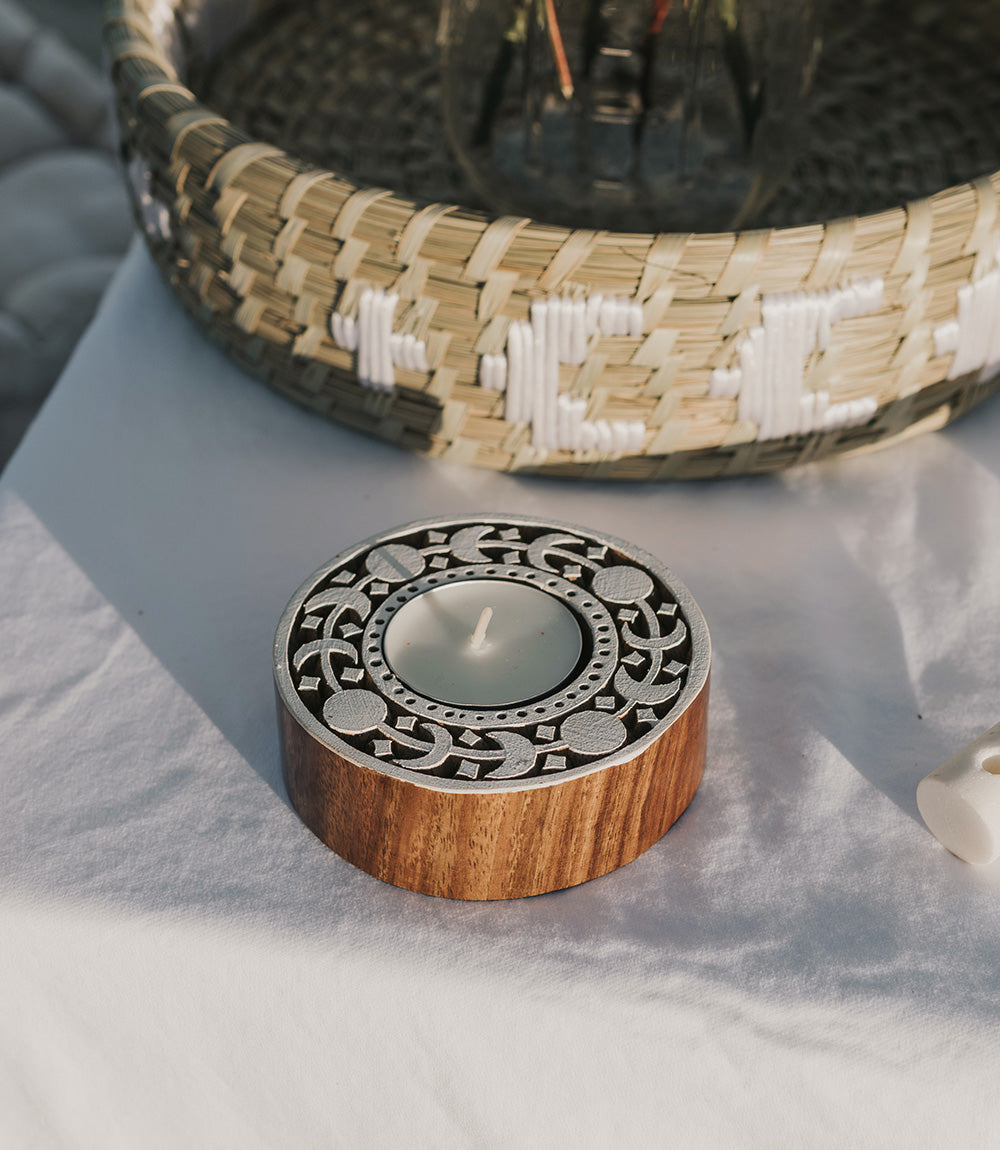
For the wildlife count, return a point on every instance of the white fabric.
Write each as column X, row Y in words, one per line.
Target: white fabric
column 797, row 964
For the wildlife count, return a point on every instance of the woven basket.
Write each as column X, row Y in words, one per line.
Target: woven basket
column 512, row 344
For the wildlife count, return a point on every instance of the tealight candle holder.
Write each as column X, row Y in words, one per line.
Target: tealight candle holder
column 491, row 707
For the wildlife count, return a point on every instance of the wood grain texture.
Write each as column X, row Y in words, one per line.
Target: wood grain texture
column 494, row 845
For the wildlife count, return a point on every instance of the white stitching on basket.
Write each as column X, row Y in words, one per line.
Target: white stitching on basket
column 558, row 333
column 769, row 380
column 379, row 348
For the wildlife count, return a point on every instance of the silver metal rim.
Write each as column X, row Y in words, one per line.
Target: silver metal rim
column 697, row 666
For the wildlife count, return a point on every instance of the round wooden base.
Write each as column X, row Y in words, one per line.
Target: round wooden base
column 505, row 844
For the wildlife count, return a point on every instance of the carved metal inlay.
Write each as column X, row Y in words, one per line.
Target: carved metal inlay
column 645, row 653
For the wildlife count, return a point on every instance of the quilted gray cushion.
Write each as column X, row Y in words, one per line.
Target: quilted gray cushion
column 64, row 215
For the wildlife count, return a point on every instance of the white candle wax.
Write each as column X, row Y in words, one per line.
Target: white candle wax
column 443, row 645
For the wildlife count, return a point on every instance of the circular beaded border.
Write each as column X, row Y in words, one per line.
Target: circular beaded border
column 600, row 649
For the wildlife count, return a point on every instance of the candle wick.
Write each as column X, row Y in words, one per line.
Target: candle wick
column 479, row 635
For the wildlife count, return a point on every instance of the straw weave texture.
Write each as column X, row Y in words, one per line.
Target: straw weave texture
column 270, row 249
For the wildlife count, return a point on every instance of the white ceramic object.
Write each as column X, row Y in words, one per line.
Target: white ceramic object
column 960, row 801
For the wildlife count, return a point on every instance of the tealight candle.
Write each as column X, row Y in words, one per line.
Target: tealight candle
column 490, row 708
column 483, row 642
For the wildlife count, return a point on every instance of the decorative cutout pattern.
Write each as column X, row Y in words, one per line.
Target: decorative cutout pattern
column 636, row 662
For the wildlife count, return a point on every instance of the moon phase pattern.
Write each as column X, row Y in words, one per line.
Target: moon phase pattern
column 632, row 676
